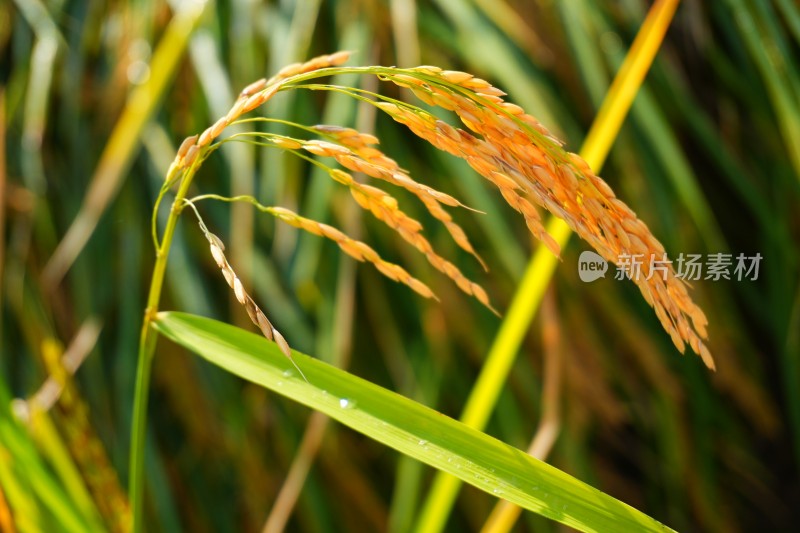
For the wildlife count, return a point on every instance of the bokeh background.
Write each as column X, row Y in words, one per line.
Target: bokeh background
column 709, row 157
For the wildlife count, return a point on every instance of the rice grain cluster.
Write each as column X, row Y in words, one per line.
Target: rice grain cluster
column 505, row 145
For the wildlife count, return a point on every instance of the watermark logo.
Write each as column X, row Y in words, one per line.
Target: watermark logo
column 591, row 266
column 688, row 267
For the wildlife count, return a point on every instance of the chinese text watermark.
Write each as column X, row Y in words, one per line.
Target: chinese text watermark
column 689, row 267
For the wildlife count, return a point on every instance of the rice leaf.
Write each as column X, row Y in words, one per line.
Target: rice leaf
column 407, row 426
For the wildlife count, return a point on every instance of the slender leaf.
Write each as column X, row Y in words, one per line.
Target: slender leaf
column 407, row 426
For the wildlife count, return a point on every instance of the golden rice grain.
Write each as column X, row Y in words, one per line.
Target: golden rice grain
column 253, row 88
column 191, row 155
column 218, row 126
column 455, row 76
column 185, row 145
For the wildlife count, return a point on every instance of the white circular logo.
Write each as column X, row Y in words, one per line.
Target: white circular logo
column 591, row 266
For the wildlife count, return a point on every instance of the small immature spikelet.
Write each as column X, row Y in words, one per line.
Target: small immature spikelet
column 255, row 313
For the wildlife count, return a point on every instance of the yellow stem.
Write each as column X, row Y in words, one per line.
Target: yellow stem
column 529, row 294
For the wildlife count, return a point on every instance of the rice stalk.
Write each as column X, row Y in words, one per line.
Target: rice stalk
column 508, row 147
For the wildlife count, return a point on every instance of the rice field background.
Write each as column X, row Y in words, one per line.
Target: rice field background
column 95, row 100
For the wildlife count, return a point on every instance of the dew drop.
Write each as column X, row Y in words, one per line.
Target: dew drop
column 288, row 373
column 345, row 403
column 423, row 442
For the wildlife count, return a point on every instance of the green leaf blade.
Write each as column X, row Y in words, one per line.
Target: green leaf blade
column 407, row 426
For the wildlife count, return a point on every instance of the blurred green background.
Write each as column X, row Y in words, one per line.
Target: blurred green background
column 709, row 158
